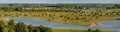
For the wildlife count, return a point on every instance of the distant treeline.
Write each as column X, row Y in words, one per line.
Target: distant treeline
column 56, row 7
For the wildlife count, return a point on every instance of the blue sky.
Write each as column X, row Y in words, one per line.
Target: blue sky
column 60, row 1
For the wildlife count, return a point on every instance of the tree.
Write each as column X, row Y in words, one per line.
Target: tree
column 30, row 28
column 2, row 23
column 44, row 29
column 18, row 8
column 10, row 30
column 36, row 29
column 1, row 29
column 11, row 23
column 89, row 30
column 21, row 27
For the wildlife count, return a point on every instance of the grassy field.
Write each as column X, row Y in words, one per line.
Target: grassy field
column 67, row 30
column 76, row 18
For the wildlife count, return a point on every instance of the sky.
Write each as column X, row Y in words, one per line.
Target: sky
column 61, row 1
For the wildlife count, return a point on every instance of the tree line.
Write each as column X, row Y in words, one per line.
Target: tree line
column 11, row 26
column 56, row 7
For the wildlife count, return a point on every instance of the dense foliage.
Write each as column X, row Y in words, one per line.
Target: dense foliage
column 11, row 26
column 97, row 30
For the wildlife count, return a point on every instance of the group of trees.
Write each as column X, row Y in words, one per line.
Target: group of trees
column 55, row 7
column 11, row 26
column 11, row 8
column 97, row 30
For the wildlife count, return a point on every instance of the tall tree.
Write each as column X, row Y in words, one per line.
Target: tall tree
column 11, row 23
column 21, row 27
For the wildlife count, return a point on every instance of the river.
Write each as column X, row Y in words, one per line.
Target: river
column 107, row 25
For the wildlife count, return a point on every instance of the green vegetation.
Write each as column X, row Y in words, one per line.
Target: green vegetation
column 59, row 7
column 76, row 18
column 21, row 27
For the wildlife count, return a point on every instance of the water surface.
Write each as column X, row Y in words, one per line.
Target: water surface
column 108, row 25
